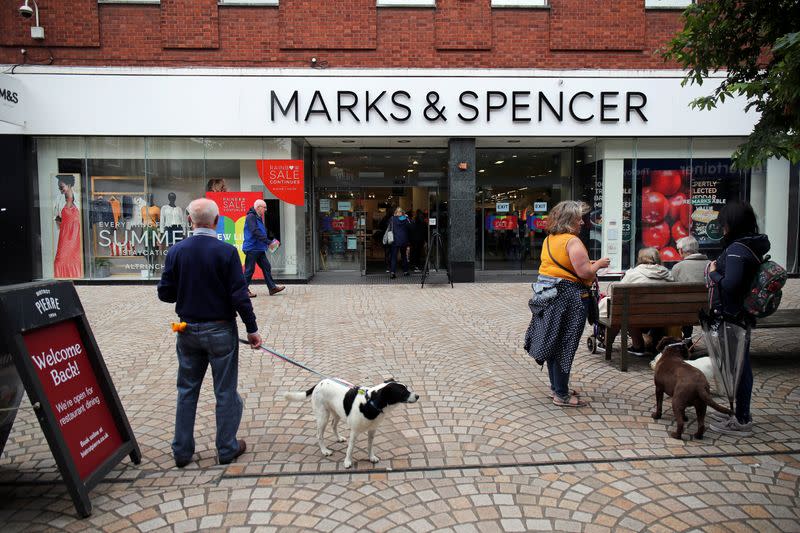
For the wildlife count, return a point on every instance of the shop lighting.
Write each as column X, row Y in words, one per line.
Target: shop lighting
column 410, row 170
column 514, row 156
column 568, row 141
column 579, row 160
column 499, row 162
column 331, row 162
column 348, row 141
column 513, row 141
column 415, row 162
column 404, row 141
column 335, row 152
column 481, row 171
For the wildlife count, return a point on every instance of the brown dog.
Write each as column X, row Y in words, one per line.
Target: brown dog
column 685, row 384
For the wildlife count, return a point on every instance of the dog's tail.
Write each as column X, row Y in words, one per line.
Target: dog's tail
column 706, row 397
column 298, row 396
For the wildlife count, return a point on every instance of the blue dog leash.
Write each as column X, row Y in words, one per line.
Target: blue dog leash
column 300, row 365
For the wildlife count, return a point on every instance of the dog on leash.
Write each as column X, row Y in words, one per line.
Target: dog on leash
column 703, row 364
column 361, row 408
column 686, row 385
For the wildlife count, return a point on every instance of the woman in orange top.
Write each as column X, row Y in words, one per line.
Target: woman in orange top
column 560, row 299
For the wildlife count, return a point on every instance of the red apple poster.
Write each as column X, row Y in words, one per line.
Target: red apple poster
column 284, row 178
column 70, row 384
column 666, row 211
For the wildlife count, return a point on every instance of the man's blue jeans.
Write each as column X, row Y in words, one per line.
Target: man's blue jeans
column 253, row 258
column 559, row 381
column 201, row 344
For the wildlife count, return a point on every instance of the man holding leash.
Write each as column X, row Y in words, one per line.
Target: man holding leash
column 203, row 277
column 255, row 245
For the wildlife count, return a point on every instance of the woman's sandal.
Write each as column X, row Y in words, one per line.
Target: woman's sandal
column 572, row 392
column 573, row 401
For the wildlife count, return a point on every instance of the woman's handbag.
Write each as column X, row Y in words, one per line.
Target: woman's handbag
column 388, row 236
column 589, row 296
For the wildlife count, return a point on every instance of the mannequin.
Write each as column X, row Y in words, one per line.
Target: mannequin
column 172, row 221
column 151, row 215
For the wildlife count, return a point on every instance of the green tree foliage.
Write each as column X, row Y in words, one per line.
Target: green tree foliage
column 757, row 43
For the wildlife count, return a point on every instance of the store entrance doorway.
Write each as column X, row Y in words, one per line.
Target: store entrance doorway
column 357, row 191
column 352, row 223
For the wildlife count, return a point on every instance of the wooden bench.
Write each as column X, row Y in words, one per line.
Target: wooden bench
column 651, row 305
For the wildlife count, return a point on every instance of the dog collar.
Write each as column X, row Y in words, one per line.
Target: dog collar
column 362, row 392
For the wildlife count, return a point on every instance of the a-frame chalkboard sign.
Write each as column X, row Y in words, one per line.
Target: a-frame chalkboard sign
column 43, row 329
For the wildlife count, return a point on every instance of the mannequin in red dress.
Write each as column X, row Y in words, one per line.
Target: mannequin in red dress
column 68, row 262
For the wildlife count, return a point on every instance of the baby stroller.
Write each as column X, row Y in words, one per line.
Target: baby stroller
column 596, row 342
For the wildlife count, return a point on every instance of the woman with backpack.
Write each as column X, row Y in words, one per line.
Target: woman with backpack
column 731, row 277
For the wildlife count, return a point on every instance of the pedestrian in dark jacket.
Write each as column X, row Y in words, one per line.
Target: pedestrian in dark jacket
column 203, row 277
column 255, row 246
column 401, row 228
column 733, row 273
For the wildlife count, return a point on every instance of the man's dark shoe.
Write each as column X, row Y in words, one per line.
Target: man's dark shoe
column 182, row 462
column 276, row 290
column 242, row 449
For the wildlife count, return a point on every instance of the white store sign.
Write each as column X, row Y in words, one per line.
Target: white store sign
column 12, row 100
column 291, row 103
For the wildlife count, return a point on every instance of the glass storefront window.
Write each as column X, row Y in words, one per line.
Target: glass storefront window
column 111, row 207
column 515, row 189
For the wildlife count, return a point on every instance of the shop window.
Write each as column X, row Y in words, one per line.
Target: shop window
column 667, row 4
column 515, row 190
column 406, row 3
column 520, row 3
column 248, row 2
column 128, row 1
column 112, row 207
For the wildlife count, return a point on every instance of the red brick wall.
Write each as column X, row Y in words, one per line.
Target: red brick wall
column 463, row 25
column 263, row 37
column 597, row 25
column 189, row 24
column 328, row 24
column 65, row 23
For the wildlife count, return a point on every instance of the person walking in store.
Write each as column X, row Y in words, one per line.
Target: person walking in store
column 255, row 246
column 732, row 275
column 203, row 277
column 401, row 228
column 561, row 299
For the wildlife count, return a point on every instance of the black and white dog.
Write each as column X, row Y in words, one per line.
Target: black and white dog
column 361, row 408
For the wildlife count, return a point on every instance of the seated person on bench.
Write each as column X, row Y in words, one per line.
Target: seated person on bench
column 648, row 270
column 691, row 268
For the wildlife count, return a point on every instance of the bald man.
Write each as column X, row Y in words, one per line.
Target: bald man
column 203, row 277
column 255, row 245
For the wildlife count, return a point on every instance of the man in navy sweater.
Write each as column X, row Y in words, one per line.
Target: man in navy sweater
column 203, row 277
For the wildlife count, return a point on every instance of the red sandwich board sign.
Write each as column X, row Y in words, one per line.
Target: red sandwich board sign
column 45, row 331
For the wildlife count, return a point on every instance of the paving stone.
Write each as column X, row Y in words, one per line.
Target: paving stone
column 482, row 449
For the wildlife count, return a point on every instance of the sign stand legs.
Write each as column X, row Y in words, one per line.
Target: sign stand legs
column 436, row 242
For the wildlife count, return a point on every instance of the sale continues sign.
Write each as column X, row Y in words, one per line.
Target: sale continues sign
column 284, row 178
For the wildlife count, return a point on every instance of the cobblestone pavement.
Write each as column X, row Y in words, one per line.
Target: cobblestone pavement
column 483, row 449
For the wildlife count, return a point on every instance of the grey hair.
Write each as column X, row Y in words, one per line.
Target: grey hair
column 648, row 256
column 203, row 211
column 564, row 217
column 688, row 245
column 259, row 202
